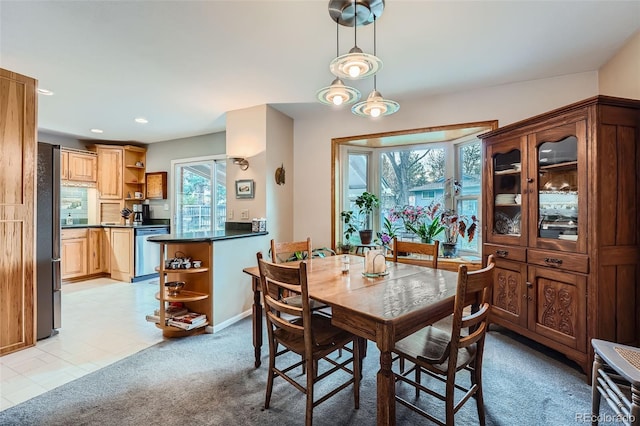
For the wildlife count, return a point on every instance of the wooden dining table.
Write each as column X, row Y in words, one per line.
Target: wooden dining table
column 382, row 309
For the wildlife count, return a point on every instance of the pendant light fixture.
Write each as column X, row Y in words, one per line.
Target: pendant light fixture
column 338, row 94
column 356, row 64
column 375, row 105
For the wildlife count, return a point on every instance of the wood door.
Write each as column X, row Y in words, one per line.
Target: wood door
column 558, row 306
column 17, row 209
column 558, row 188
column 82, row 167
column 510, row 292
column 96, row 260
column 122, row 254
column 506, row 200
column 110, row 179
column 74, row 258
column 64, row 165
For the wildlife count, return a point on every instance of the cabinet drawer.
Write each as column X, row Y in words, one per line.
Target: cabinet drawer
column 518, row 254
column 68, row 234
column 566, row 261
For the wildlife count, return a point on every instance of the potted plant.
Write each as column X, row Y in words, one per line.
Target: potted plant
column 348, row 219
column 422, row 221
column 456, row 225
column 366, row 202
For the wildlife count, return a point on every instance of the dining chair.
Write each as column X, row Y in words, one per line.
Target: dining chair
column 442, row 355
column 418, row 248
column 616, row 377
column 286, row 251
column 301, row 331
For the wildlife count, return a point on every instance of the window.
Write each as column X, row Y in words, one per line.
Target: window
column 413, row 168
column 199, row 194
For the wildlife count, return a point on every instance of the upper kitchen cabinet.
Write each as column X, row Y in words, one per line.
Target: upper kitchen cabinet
column 121, row 173
column 561, row 217
column 78, row 166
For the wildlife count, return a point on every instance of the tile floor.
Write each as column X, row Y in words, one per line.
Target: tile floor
column 103, row 321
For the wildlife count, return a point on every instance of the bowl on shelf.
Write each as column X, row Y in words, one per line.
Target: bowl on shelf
column 174, row 287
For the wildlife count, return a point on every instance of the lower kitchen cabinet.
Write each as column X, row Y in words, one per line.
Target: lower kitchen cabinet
column 73, row 249
column 99, row 251
column 122, row 254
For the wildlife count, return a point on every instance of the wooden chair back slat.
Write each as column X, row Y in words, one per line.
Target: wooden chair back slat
column 419, row 248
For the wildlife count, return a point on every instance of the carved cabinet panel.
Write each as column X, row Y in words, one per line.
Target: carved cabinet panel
column 557, row 305
column 510, row 292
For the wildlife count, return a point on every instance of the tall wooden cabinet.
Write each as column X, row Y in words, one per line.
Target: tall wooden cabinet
column 562, row 217
column 121, row 173
column 18, row 110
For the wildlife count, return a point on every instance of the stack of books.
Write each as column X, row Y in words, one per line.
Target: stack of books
column 188, row 321
column 173, row 310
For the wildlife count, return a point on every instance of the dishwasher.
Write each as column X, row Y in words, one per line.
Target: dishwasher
column 146, row 253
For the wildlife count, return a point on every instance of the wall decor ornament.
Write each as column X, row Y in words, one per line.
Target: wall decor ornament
column 244, row 188
column 280, row 175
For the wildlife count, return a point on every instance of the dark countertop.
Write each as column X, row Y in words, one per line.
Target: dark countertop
column 196, row 237
column 111, row 226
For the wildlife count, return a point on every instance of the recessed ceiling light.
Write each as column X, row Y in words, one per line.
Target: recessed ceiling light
column 141, row 120
column 45, row 92
column 97, row 130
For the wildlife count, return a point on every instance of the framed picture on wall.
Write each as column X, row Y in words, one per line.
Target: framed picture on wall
column 244, row 188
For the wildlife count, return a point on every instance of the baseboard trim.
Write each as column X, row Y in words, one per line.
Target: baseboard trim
column 230, row 321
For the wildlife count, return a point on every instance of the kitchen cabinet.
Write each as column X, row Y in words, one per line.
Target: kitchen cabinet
column 110, row 161
column 121, row 179
column 78, row 166
column 98, row 253
column 198, row 289
column 73, row 250
column 156, row 185
column 560, row 216
column 17, row 210
column 121, row 263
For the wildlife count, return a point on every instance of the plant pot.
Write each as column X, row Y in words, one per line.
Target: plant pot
column 449, row 250
column 366, row 236
column 426, row 240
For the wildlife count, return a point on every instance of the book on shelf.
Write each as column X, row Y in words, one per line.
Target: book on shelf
column 188, row 321
column 172, row 311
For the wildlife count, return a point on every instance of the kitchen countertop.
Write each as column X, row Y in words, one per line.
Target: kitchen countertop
column 196, row 237
column 112, row 226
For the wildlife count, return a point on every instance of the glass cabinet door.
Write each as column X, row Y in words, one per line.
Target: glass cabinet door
column 506, row 212
column 557, row 205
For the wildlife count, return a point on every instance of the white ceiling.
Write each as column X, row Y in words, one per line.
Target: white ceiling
column 183, row 64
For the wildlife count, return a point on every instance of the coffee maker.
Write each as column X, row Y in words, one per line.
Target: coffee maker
column 137, row 214
column 146, row 214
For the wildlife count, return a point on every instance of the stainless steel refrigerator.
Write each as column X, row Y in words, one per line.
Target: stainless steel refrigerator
column 48, row 241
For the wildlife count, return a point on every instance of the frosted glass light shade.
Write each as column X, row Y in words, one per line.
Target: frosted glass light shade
column 355, row 65
column 375, row 106
column 338, row 94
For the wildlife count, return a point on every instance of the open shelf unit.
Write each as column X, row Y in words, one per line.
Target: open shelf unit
column 197, row 293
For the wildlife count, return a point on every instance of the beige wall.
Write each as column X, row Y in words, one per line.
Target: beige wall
column 621, row 75
column 160, row 154
column 279, row 197
column 312, row 135
column 247, row 137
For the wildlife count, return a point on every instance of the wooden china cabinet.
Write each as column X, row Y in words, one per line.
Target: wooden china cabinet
column 562, row 217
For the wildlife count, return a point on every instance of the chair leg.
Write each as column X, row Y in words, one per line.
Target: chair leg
column 450, row 389
column 311, row 376
column 356, row 373
column 270, row 377
column 595, row 394
column 417, row 380
column 476, row 378
column 401, row 365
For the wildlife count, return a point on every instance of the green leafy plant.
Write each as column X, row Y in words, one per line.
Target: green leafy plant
column 427, row 232
column 366, row 202
column 349, row 228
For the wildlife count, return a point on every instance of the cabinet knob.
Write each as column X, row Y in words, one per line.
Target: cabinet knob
column 552, row 261
column 530, row 180
column 529, row 284
column 502, row 253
